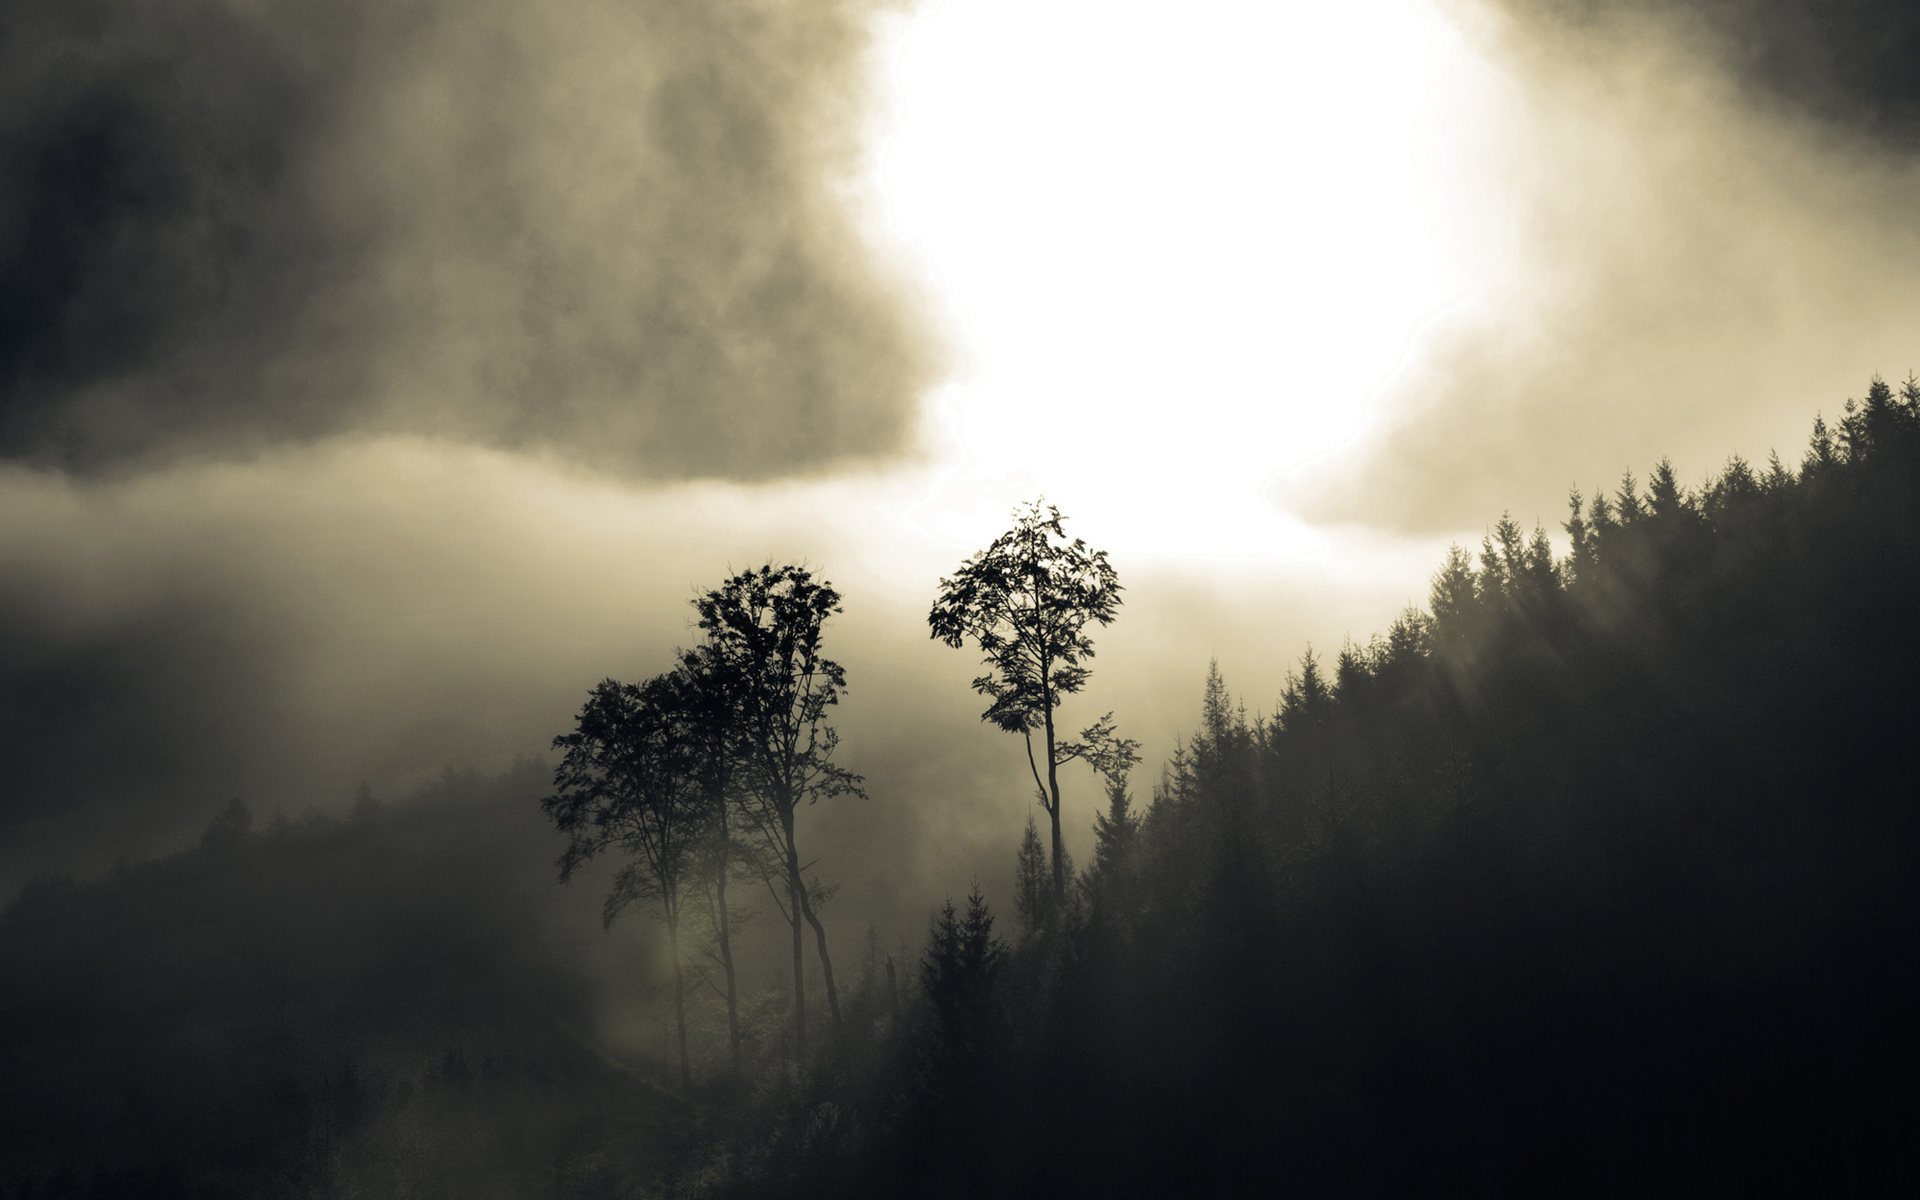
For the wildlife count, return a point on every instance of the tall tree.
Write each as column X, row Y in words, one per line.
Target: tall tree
column 960, row 975
column 765, row 631
column 626, row 783
column 1114, row 830
column 1027, row 600
column 1032, row 891
column 707, row 692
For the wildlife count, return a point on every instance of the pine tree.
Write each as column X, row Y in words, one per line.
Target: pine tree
column 1778, row 478
column 1305, row 702
column 1453, row 598
column 1109, row 880
column 1820, row 457
column 960, row 976
column 1033, row 888
column 1627, row 501
column 1583, row 561
column 1665, row 497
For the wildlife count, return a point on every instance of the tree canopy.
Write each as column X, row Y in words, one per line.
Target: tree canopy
column 1026, row 601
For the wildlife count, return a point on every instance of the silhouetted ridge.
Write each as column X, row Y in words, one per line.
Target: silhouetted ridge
column 1598, row 876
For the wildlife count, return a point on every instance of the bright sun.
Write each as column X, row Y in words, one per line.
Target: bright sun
column 1185, row 244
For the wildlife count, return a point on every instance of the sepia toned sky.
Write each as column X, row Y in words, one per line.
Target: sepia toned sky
column 374, row 378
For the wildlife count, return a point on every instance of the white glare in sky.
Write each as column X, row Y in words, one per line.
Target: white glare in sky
column 1185, row 244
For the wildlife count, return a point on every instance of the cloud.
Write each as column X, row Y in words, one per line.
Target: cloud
column 378, row 610
column 627, row 232
column 1709, row 238
column 1846, row 63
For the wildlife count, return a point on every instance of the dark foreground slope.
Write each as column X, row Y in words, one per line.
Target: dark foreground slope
column 369, row 1006
column 1601, row 878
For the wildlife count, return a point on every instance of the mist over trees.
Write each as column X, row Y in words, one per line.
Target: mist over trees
column 1599, row 874
column 766, row 629
column 696, row 777
column 1596, row 876
column 307, row 1005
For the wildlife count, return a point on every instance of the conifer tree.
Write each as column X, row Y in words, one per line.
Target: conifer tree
column 960, row 976
column 1032, row 890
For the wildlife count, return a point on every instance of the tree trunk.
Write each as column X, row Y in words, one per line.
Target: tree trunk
column 679, row 999
column 1053, row 785
column 826, row 963
column 726, row 942
column 796, row 894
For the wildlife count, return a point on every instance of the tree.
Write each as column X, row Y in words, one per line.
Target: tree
column 765, row 630
column 1026, row 601
column 1032, row 892
column 229, row 829
column 706, row 691
column 626, row 782
column 960, row 976
column 1115, row 829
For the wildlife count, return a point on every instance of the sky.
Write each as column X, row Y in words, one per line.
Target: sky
column 374, row 378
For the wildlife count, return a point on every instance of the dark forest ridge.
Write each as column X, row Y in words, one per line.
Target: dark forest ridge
column 1597, row 876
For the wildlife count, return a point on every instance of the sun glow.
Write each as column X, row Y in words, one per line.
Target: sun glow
column 1183, row 245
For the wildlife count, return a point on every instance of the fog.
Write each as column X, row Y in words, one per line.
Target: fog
column 359, row 363
column 1703, row 234
column 347, row 397
column 287, row 628
column 347, row 393
column 377, row 378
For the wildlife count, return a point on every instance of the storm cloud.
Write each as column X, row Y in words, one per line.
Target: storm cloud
column 624, row 233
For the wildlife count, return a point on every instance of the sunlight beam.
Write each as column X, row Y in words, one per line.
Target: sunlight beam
column 1184, row 251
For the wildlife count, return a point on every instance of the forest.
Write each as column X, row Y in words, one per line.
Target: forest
column 1598, row 875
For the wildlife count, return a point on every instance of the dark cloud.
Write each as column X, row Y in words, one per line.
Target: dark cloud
column 1849, row 62
column 619, row 229
column 284, row 629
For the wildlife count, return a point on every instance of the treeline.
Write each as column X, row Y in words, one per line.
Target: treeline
column 1595, row 876
column 1601, row 875
column 365, row 1005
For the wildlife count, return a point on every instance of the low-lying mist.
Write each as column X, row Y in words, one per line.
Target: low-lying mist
column 287, row 628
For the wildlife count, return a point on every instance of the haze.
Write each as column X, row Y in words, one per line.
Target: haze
column 379, row 378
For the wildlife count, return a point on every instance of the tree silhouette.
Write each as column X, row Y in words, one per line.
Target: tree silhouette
column 1032, row 889
column 764, row 629
column 1114, row 831
column 707, row 692
column 627, row 782
column 960, row 976
column 229, row 829
column 1026, row 601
